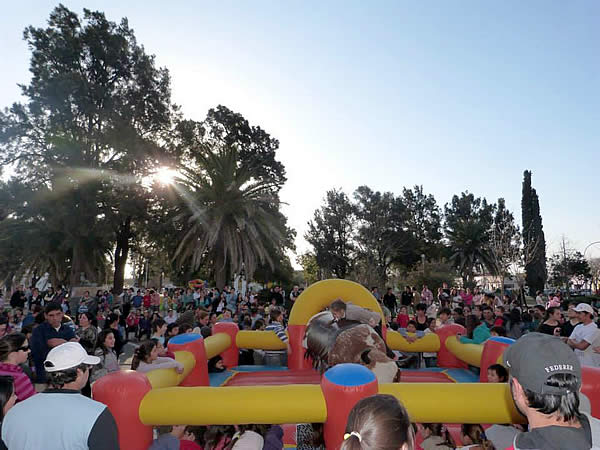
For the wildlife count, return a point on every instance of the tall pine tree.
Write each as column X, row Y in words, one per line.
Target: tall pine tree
column 534, row 241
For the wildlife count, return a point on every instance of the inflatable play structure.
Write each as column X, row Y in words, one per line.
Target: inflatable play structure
column 298, row 394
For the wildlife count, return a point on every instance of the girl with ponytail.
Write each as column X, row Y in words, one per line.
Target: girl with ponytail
column 379, row 422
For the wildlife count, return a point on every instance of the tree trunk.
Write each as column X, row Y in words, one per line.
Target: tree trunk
column 79, row 265
column 220, row 270
column 121, row 254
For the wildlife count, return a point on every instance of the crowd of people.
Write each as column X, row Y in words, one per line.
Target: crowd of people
column 59, row 345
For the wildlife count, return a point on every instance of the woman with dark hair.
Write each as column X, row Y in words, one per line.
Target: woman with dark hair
column 477, row 332
column 106, row 352
column 14, row 350
column 146, row 358
column 8, row 398
column 379, row 422
column 551, row 324
column 87, row 332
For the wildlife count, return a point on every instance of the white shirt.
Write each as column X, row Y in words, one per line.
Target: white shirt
column 171, row 319
column 587, row 333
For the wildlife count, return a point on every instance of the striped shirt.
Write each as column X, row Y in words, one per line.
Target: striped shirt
column 280, row 332
column 23, row 386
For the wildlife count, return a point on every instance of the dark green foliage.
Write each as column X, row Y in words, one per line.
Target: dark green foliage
column 331, row 233
column 534, row 241
column 468, row 230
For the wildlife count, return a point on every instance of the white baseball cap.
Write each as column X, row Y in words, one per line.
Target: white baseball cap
column 68, row 355
column 584, row 307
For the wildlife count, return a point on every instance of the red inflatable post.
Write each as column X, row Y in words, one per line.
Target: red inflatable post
column 493, row 348
column 231, row 356
column 194, row 344
column 343, row 386
column 296, row 360
column 590, row 386
column 123, row 392
column 445, row 358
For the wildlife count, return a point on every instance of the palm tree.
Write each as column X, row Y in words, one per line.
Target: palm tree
column 229, row 217
column 469, row 240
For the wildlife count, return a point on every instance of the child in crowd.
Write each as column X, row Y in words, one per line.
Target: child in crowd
column 168, row 437
column 277, row 357
column 146, row 358
column 473, row 436
column 378, row 422
column 193, row 438
column 477, row 332
column 215, row 365
column 106, row 352
column 496, row 373
column 430, row 357
column 445, row 316
column 436, row 437
column 402, row 319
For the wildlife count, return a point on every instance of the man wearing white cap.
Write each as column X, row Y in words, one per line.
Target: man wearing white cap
column 60, row 417
column 584, row 335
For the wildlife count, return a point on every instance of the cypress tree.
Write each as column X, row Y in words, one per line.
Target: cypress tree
column 534, row 241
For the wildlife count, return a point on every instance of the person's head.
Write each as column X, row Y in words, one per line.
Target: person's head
column 487, row 313
column 497, row 373
column 411, row 326
column 194, row 434
column 14, row 349
column 403, row 310
column 571, row 313
column 159, row 327
column 338, row 309
column 473, row 434
column 539, row 311
column 467, row 310
column 457, row 313
column 438, row 429
column 67, row 366
column 545, row 377
column 106, row 339
column 431, row 323
column 471, row 322
column 146, row 352
column 85, row 319
column 585, row 313
column 172, row 329
column 112, row 321
column 53, row 314
column 259, row 325
column 8, row 398
column 444, row 314
column 499, row 311
column 421, row 308
column 216, row 365
column 276, row 315
column 553, row 313
column 379, row 422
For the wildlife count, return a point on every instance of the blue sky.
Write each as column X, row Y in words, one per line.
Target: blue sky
column 451, row 95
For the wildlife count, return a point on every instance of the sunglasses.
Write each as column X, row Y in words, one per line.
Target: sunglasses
column 24, row 348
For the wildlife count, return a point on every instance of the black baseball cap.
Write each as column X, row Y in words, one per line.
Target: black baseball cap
column 535, row 357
